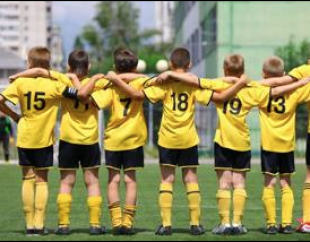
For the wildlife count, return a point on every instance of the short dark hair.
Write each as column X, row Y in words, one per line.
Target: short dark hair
column 274, row 67
column 39, row 57
column 180, row 58
column 79, row 63
column 125, row 60
column 234, row 65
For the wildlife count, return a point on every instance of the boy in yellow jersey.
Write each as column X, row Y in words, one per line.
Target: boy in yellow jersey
column 178, row 138
column 125, row 136
column 79, row 144
column 295, row 75
column 232, row 142
column 39, row 101
column 278, row 145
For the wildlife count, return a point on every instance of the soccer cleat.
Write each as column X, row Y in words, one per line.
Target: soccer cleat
column 97, row 230
column 164, row 231
column 117, row 231
column 222, row 230
column 272, row 230
column 304, row 228
column 41, row 232
column 197, row 230
column 288, row 229
column 29, row 232
column 239, row 230
column 127, row 231
column 63, row 231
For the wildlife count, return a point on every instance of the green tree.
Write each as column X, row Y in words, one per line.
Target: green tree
column 297, row 54
column 115, row 26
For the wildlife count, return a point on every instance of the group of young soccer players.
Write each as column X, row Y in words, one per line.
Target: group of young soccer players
column 40, row 92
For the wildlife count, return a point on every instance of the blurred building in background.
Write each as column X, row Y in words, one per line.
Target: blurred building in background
column 211, row 30
column 164, row 20
column 24, row 24
column 10, row 63
column 58, row 56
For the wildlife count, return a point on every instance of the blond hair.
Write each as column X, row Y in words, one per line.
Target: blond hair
column 274, row 67
column 39, row 57
column 234, row 65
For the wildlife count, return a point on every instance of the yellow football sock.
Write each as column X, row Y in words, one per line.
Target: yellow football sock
column 194, row 203
column 94, row 208
column 129, row 215
column 306, row 203
column 165, row 203
column 224, row 204
column 269, row 201
column 239, row 200
column 64, row 202
column 116, row 214
column 41, row 199
column 287, row 206
column 28, row 190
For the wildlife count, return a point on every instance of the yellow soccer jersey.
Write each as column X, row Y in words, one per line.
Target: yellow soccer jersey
column 300, row 73
column 178, row 129
column 215, row 85
column 278, row 121
column 39, row 101
column 79, row 124
column 126, row 129
column 232, row 131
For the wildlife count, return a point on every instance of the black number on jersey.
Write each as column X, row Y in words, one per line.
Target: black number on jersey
column 180, row 102
column 39, row 101
column 280, row 109
column 77, row 105
column 235, row 106
column 127, row 102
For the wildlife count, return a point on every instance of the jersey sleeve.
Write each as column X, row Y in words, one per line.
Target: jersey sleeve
column 103, row 98
column 11, row 93
column 155, row 93
column 215, row 85
column 302, row 95
column 300, row 72
column 204, row 97
column 61, row 77
column 102, row 84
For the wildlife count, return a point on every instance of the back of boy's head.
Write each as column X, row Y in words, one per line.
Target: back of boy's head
column 79, row 63
column 273, row 67
column 125, row 61
column 234, row 65
column 180, row 59
column 39, row 57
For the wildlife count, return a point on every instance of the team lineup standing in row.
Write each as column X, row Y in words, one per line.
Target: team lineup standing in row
column 40, row 92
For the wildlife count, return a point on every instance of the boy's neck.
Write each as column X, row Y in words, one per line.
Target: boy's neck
column 180, row 70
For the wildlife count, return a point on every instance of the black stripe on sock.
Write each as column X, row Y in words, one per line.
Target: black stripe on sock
column 115, row 205
column 170, row 192
column 193, row 192
column 29, row 178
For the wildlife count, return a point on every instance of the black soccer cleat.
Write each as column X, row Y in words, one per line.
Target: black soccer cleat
column 63, row 231
column 116, row 231
column 127, row 231
column 288, row 229
column 272, row 230
column 29, row 232
column 164, row 231
column 97, row 230
column 239, row 230
column 197, row 230
column 41, row 232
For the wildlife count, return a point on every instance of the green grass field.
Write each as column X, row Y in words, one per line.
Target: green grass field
column 12, row 223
